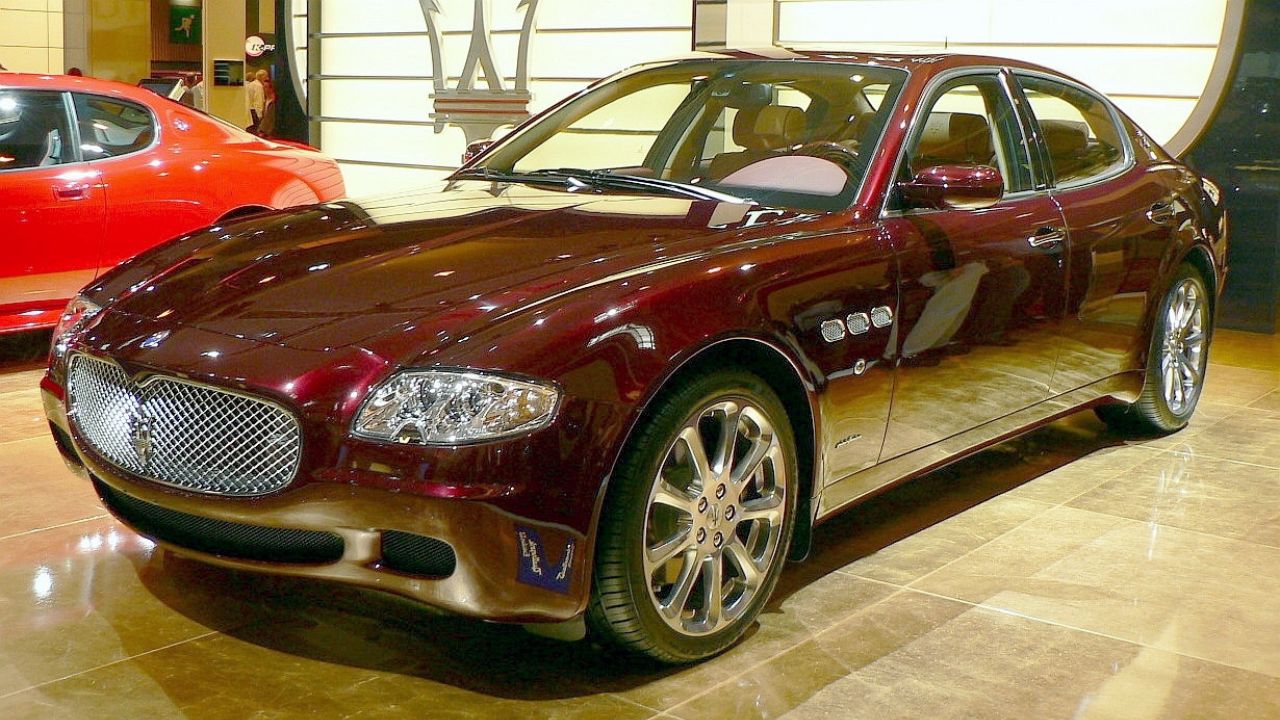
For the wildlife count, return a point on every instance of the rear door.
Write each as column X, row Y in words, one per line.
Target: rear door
column 1120, row 216
column 52, row 208
column 982, row 294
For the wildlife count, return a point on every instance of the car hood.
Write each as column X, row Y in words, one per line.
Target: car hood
column 434, row 263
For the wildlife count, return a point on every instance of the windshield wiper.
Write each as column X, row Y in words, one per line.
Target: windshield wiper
column 481, row 172
column 604, row 178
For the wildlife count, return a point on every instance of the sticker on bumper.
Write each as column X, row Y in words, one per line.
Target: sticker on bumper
column 537, row 567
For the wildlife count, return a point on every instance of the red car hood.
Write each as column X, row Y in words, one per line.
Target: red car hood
column 430, row 263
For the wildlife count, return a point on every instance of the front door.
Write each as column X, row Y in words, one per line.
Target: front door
column 982, row 291
column 52, row 209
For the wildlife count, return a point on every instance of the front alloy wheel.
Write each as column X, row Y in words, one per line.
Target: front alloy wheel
column 698, row 522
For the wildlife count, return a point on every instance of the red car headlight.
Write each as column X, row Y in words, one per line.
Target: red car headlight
column 79, row 312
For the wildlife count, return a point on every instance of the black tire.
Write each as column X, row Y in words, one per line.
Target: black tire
column 1155, row 412
column 623, row 610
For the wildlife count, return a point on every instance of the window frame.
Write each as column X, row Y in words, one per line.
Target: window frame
column 1121, row 130
column 73, row 134
column 156, row 127
column 892, row 202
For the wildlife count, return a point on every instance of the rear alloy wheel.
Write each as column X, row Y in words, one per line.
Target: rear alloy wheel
column 698, row 521
column 1176, row 363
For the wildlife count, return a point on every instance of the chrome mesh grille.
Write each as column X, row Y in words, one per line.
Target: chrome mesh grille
column 181, row 433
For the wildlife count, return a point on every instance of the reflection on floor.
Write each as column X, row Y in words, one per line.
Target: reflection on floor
column 1067, row 574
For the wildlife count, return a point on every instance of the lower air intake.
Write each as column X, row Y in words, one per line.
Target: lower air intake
column 417, row 554
column 219, row 537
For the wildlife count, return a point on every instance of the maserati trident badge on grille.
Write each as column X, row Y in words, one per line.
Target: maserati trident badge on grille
column 140, row 429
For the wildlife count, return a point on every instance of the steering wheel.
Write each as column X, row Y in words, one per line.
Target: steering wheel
column 848, row 158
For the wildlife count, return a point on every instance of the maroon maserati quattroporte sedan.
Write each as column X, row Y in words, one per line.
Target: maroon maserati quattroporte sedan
column 611, row 373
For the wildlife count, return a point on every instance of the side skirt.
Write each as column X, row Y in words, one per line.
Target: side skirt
column 890, row 473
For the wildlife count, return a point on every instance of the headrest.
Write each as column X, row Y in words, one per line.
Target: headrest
column 1065, row 138
column 769, row 128
column 960, row 138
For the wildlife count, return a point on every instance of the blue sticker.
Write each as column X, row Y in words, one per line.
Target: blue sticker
column 537, row 568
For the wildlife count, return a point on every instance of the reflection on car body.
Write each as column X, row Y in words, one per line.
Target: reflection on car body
column 613, row 370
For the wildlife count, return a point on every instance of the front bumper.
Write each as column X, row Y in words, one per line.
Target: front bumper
column 508, row 568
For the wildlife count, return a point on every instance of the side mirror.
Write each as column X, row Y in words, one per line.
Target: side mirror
column 962, row 187
column 474, row 149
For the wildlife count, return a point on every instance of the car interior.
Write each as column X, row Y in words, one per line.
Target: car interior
column 954, row 138
column 32, row 128
column 108, row 129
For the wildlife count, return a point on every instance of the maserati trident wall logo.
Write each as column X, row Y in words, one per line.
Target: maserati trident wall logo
column 479, row 112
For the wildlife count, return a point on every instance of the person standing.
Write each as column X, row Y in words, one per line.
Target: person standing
column 267, row 125
column 256, row 98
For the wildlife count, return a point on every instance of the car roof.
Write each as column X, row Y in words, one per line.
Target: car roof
column 75, row 83
column 929, row 62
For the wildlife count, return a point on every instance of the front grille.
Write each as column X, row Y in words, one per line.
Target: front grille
column 219, row 537
column 417, row 554
column 182, row 433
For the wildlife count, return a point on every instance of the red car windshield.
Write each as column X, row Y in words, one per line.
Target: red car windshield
column 787, row 134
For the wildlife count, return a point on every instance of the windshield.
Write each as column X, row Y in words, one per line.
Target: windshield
column 786, row 134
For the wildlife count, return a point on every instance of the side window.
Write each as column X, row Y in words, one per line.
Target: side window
column 971, row 122
column 110, row 128
column 34, row 130
column 1078, row 129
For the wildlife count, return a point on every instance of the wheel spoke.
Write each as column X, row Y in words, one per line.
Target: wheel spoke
column 752, row 574
column 713, row 588
column 697, row 452
column 682, row 588
column 1176, row 307
column 729, row 421
column 762, row 448
column 1190, row 373
column 1171, row 384
column 1192, row 307
column 668, row 495
column 662, row 553
column 768, row 508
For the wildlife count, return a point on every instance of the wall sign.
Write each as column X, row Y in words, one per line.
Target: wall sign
column 255, row 46
column 184, row 22
column 479, row 112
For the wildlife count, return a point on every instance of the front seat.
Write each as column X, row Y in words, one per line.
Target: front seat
column 952, row 138
column 763, row 132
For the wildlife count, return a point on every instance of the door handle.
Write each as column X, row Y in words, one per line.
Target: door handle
column 1047, row 237
column 78, row 191
column 1162, row 213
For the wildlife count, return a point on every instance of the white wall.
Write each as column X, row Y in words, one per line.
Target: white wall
column 31, row 35
column 575, row 43
column 1153, row 57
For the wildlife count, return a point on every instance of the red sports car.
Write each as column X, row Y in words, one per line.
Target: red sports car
column 612, row 372
column 94, row 172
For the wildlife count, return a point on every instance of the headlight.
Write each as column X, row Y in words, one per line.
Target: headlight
column 79, row 312
column 448, row 407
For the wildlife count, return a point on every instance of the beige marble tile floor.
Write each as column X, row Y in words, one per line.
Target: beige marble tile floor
column 1070, row 573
